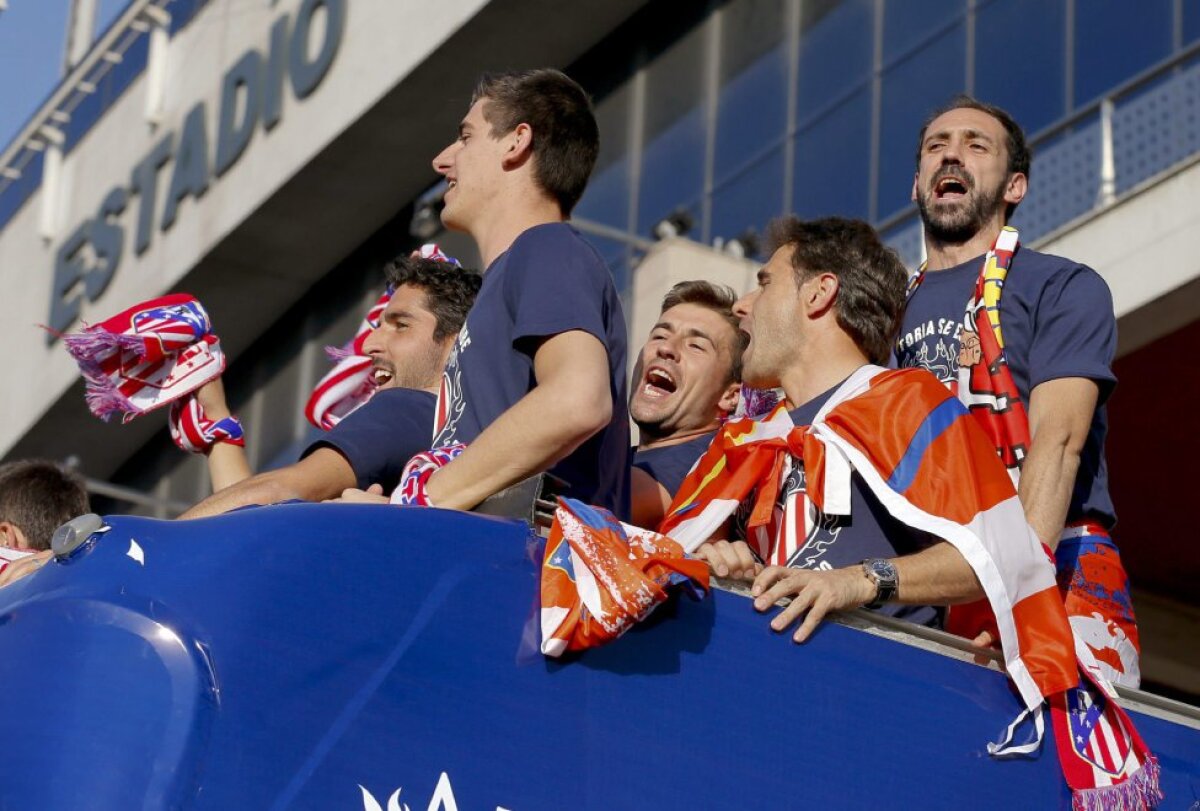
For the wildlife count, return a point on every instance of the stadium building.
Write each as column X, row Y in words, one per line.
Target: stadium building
column 269, row 157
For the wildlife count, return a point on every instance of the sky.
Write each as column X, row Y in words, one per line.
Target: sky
column 32, row 38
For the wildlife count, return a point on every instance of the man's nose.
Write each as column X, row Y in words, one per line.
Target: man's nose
column 441, row 162
column 743, row 306
column 373, row 344
column 668, row 349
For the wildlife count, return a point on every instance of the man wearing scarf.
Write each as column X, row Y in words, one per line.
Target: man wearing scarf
column 1026, row 341
column 858, row 459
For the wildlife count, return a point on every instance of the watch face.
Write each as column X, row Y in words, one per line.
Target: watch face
column 883, row 570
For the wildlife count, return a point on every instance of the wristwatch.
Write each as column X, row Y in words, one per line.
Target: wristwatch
column 883, row 574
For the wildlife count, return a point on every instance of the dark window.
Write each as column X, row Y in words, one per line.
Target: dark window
column 835, row 52
column 752, row 100
column 1115, row 40
column 832, row 165
column 750, row 199
column 908, row 23
column 672, row 170
column 1033, row 87
column 606, row 199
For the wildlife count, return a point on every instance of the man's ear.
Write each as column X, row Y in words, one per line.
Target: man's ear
column 818, row 294
column 518, row 146
column 916, row 178
column 12, row 536
column 1015, row 189
column 729, row 398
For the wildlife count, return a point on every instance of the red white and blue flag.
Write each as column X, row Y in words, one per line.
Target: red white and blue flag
column 600, row 577
column 930, row 465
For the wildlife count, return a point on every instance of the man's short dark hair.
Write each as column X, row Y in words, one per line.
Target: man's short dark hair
column 38, row 496
column 871, row 277
column 719, row 298
column 566, row 138
column 1019, row 155
column 449, row 290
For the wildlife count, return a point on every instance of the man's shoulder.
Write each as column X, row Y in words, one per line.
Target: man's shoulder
column 400, row 397
column 558, row 238
column 1044, row 267
column 395, row 406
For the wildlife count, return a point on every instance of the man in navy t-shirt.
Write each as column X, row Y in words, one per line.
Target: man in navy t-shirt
column 827, row 303
column 685, row 383
column 1059, row 338
column 536, row 381
column 370, row 446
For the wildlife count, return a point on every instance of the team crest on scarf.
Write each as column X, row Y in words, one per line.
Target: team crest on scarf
column 147, row 356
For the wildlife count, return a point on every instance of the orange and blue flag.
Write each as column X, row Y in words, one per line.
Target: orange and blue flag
column 600, row 577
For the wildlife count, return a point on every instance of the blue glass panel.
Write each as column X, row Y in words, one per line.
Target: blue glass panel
column 833, row 163
column 1032, row 88
column 908, row 23
column 607, row 197
column 1191, row 22
column 17, row 192
column 672, row 167
column 750, row 199
column 672, row 172
column 1116, row 39
column 835, row 52
column 751, row 112
column 911, row 89
column 752, row 97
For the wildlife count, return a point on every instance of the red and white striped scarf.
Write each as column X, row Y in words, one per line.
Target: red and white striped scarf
column 146, row 356
column 349, row 385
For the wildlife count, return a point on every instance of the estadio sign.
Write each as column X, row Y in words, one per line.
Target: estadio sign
column 185, row 162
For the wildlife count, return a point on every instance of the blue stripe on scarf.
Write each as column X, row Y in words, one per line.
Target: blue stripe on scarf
column 930, row 429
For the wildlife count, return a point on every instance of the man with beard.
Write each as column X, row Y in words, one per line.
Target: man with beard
column 686, row 382
column 1026, row 340
column 369, row 448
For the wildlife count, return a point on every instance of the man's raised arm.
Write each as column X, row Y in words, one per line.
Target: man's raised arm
column 569, row 404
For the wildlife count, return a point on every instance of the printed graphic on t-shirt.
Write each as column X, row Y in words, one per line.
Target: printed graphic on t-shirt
column 450, row 402
column 934, row 346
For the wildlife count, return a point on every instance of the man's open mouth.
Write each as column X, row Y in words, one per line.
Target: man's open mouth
column 950, row 187
column 658, row 383
column 381, row 377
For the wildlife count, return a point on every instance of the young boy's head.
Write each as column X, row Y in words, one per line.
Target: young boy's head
column 36, row 497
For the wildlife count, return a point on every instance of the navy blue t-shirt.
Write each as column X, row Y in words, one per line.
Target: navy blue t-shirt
column 550, row 281
column 669, row 465
column 380, row 437
column 835, row 541
column 1057, row 319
